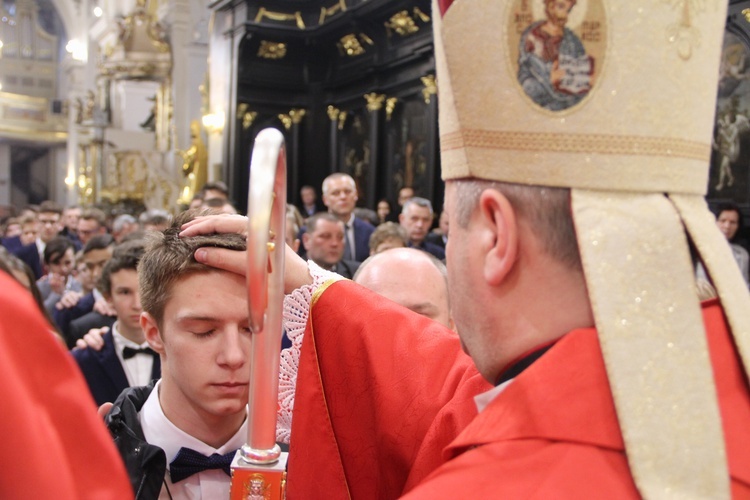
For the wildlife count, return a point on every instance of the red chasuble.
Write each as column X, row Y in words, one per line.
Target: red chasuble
column 54, row 445
column 380, row 392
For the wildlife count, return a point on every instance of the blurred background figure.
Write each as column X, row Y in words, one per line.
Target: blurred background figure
column 59, row 257
column 324, row 243
column 309, row 202
column 155, row 220
column 70, row 218
column 383, row 210
column 93, row 222
column 405, row 194
column 215, row 190
column 124, row 225
column 416, row 217
column 729, row 220
column 386, row 236
column 439, row 235
column 220, row 205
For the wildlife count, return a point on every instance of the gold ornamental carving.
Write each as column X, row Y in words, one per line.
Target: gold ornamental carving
column 334, row 9
column 295, row 17
column 390, row 105
column 374, row 101
column 430, row 87
column 248, row 118
column 286, row 120
column 683, row 34
column 402, row 23
column 141, row 50
column 296, row 115
column 271, row 50
column 421, row 15
column 335, row 114
column 746, row 13
column 350, row 46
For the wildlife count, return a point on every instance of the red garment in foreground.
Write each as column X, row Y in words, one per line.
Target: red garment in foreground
column 380, row 392
column 553, row 432
column 368, row 374
column 54, row 445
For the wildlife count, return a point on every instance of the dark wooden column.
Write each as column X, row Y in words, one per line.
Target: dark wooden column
column 375, row 104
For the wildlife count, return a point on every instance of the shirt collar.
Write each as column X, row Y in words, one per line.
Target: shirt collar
column 159, row 431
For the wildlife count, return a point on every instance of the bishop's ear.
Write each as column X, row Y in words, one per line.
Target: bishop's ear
column 498, row 221
column 151, row 330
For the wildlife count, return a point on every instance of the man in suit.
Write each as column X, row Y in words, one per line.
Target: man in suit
column 324, row 243
column 48, row 226
column 416, row 218
column 340, row 196
column 125, row 359
column 309, row 203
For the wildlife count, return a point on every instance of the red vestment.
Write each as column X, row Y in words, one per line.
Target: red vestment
column 379, row 391
column 54, row 445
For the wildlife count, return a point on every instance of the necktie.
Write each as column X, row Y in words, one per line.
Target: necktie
column 189, row 462
column 129, row 352
column 347, row 244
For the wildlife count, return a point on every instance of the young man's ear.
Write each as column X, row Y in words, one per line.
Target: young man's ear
column 500, row 225
column 305, row 240
column 151, row 330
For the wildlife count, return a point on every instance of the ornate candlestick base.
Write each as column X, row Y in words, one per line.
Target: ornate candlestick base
column 258, row 482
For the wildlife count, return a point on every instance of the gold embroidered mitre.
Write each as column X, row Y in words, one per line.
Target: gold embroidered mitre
column 615, row 100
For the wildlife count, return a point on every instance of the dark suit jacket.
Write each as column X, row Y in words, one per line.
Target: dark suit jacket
column 103, row 371
column 30, row 255
column 11, row 244
column 81, row 326
column 346, row 268
column 64, row 317
column 435, row 239
column 431, row 248
column 362, row 232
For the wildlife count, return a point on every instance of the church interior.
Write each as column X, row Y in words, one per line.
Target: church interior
column 133, row 105
column 107, row 102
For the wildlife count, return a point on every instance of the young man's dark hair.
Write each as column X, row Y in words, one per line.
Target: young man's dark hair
column 56, row 248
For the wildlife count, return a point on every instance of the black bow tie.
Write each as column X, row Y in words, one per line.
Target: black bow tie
column 189, row 462
column 129, row 352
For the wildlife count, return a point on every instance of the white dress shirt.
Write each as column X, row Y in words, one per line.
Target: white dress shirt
column 159, row 431
column 138, row 368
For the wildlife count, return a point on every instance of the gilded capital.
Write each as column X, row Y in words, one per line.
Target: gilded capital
column 333, row 112
column 430, row 87
column 374, row 101
column 296, row 115
column 390, row 105
column 286, row 120
column 248, row 118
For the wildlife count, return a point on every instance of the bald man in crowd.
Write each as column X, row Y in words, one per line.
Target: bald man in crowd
column 409, row 277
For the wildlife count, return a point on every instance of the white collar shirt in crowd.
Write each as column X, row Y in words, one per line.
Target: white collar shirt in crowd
column 138, row 368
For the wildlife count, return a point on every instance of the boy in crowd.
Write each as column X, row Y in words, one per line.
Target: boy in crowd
column 179, row 434
column 72, row 305
column 125, row 359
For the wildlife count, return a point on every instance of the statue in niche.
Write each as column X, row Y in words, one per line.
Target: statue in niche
column 194, row 165
column 149, row 124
